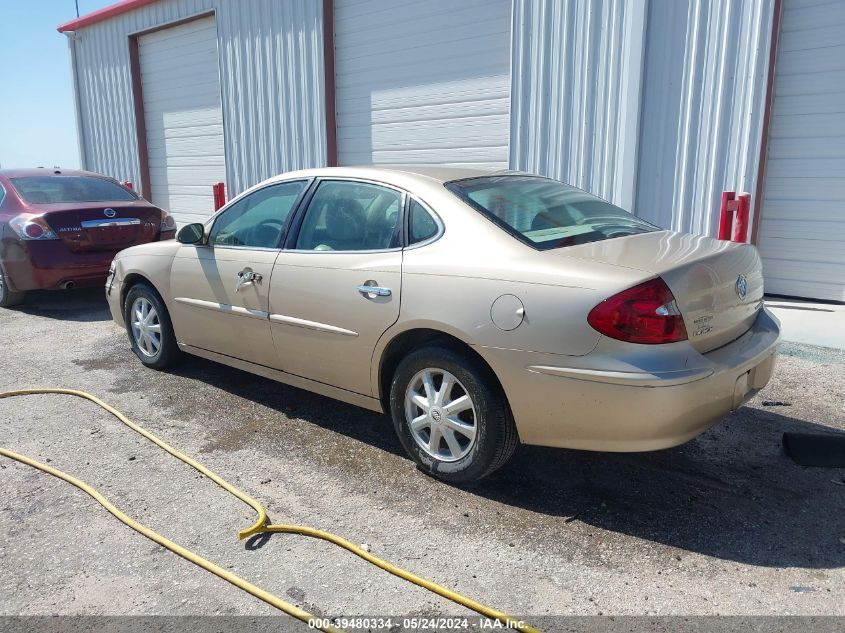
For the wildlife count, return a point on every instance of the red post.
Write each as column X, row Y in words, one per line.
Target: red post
column 128, row 184
column 219, row 192
column 743, row 210
column 734, row 216
column 726, row 215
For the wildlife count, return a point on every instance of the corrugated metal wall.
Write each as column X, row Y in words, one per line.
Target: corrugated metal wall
column 576, row 92
column 271, row 64
column 655, row 105
column 704, row 89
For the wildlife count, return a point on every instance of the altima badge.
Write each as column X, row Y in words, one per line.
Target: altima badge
column 109, row 213
column 741, row 287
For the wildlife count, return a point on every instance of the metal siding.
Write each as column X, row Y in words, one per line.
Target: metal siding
column 576, row 92
column 423, row 82
column 704, row 86
column 802, row 231
column 271, row 69
column 654, row 105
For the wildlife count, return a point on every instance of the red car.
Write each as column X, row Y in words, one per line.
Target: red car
column 61, row 228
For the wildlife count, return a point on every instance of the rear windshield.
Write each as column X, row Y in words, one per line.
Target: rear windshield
column 545, row 213
column 50, row 189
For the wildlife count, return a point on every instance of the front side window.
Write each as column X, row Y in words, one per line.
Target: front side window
column 545, row 213
column 351, row 216
column 64, row 189
column 257, row 220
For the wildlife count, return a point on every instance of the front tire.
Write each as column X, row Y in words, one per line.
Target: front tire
column 149, row 328
column 451, row 415
column 8, row 297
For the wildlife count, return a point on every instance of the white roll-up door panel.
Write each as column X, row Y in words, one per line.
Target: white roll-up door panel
column 180, row 84
column 802, row 230
column 423, row 82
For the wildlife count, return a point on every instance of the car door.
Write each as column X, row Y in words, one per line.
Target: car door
column 220, row 288
column 336, row 287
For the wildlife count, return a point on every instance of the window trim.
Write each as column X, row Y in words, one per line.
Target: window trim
column 209, row 224
column 293, row 234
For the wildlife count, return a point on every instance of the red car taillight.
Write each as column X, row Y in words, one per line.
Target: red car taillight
column 647, row 313
column 32, row 227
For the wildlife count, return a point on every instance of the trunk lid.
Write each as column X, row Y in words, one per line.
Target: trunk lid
column 718, row 285
column 100, row 226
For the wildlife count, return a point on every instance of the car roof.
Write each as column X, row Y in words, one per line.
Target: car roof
column 394, row 173
column 25, row 172
column 440, row 173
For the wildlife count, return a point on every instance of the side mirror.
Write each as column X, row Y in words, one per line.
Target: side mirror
column 191, row 233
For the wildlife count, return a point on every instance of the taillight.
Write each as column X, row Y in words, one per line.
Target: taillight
column 33, row 231
column 32, row 227
column 647, row 313
column 167, row 222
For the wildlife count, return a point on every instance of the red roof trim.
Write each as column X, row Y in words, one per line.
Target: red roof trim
column 103, row 14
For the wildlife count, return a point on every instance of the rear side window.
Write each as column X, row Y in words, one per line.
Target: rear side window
column 57, row 189
column 546, row 213
column 421, row 226
column 346, row 215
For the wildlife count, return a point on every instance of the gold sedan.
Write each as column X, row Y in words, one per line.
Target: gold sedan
column 478, row 309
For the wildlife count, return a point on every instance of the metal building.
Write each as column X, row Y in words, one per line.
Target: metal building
column 656, row 105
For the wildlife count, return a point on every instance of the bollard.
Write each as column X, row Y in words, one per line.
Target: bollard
column 734, row 216
column 219, row 192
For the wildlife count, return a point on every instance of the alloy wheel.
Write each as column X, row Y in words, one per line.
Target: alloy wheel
column 146, row 327
column 440, row 414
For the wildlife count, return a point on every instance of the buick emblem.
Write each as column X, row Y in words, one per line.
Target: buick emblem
column 741, row 287
column 109, row 213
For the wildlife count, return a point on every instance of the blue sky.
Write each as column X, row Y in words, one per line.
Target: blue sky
column 37, row 120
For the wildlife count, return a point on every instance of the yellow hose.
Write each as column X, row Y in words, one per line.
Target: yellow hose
column 259, row 527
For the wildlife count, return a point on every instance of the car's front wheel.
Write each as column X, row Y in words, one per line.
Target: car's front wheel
column 451, row 415
column 149, row 328
column 8, row 297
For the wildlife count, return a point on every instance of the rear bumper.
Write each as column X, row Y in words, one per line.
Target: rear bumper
column 50, row 264
column 630, row 409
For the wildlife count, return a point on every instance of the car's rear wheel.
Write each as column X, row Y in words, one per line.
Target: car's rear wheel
column 451, row 415
column 8, row 297
column 149, row 328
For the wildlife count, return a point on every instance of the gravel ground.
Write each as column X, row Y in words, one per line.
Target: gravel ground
column 725, row 524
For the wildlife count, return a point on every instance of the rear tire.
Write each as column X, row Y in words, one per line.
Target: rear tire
column 458, row 434
column 149, row 327
column 8, row 297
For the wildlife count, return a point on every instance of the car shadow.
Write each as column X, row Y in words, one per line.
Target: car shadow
column 80, row 305
column 731, row 493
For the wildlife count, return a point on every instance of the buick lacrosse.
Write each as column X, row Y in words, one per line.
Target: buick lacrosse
column 479, row 309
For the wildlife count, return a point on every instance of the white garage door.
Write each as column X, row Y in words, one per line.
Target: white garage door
column 180, row 84
column 423, row 82
column 802, row 231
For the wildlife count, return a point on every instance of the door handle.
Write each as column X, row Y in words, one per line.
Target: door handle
column 371, row 291
column 246, row 277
